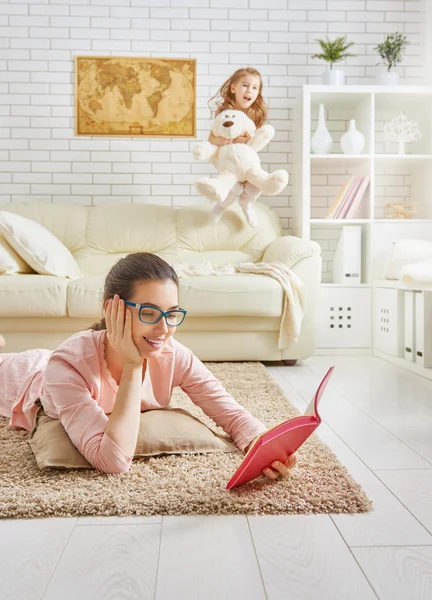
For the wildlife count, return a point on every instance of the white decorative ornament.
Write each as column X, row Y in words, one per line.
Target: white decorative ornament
column 402, row 130
column 352, row 141
column 321, row 142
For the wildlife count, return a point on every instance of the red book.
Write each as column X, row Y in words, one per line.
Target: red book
column 279, row 442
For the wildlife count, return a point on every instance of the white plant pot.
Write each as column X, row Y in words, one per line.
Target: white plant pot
column 388, row 78
column 321, row 142
column 352, row 142
column 333, row 77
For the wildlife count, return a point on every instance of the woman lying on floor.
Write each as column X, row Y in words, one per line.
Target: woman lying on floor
column 98, row 381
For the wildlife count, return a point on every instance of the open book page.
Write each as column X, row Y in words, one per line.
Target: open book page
column 312, row 409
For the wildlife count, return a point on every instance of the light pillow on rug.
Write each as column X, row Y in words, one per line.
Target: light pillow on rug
column 38, row 247
column 164, row 431
column 10, row 261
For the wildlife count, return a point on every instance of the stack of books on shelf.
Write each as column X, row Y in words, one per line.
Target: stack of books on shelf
column 349, row 197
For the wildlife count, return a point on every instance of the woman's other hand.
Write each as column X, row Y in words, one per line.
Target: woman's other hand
column 282, row 469
column 119, row 330
column 277, row 468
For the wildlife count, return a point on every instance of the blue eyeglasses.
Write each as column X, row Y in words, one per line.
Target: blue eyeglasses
column 151, row 315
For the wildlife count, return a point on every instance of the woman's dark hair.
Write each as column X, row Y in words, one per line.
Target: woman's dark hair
column 130, row 270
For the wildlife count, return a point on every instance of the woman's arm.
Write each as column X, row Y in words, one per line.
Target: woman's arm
column 73, row 384
column 123, row 423
column 72, row 389
column 207, row 392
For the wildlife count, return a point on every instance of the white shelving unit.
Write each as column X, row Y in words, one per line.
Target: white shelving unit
column 394, row 178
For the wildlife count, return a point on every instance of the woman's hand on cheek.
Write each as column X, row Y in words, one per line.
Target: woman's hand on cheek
column 280, row 469
column 119, row 331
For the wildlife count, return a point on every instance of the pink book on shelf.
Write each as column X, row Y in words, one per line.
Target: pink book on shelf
column 340, row 198
column 281, row 441
column 355, row 188
column 356, row 202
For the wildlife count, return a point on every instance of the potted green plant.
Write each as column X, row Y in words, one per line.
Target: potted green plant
column 391, row 53
column 333, row 52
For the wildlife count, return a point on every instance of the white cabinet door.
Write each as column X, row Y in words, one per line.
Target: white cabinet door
column 344, row 317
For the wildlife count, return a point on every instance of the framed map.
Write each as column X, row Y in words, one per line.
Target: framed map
column 135, row 96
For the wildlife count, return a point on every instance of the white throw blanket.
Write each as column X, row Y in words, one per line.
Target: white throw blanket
column 293, row 287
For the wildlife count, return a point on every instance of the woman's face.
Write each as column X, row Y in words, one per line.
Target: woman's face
column 150, row 339
column 246, row 90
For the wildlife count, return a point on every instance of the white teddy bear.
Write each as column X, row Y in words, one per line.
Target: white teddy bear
column 239, row 168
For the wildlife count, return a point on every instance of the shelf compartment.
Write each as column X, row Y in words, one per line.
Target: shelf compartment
column 339, row 109
column 328, row 239
column 417, row 107
column 402, row 180
column 327, row 178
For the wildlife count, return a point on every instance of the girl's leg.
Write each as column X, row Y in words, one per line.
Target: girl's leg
column 2, row 341
column 247, row 199
column 220, row 207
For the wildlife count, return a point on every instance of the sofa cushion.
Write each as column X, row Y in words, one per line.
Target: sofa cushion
column 228, row 242
column 10, row 261
column 84, row 297
column 132, row 228
column 45, row 253
column 246, row 295
column 95, row 262
column 67, row 222
column 33, row 296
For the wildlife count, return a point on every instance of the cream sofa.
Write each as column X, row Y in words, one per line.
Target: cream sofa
column 231, row 317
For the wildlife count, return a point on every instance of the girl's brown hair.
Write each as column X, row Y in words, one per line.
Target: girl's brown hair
column 225, row 98
column 127, row 272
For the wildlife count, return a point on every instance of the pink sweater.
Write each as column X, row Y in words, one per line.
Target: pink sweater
column 76, row 387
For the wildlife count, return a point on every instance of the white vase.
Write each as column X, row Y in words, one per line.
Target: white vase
column 352, row 141
column 333, row 77
column 321, row 142
column 388, row 78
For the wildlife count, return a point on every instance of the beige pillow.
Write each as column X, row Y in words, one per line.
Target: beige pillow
column 164, row 431
column 10, row 261
column 38, row 247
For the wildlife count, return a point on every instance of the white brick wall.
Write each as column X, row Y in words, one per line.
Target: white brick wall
column 41, row 159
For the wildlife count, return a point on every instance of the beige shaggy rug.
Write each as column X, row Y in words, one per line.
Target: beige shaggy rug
column 183, row 484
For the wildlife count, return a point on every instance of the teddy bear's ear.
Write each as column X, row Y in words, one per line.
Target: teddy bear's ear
column 216, row 123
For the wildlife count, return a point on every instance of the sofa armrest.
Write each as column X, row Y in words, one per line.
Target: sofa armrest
column 289, row 250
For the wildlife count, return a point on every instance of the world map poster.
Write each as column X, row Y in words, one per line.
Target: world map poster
column 135, row 96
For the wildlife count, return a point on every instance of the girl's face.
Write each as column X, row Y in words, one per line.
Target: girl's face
column 150, row 339
column 246, row 90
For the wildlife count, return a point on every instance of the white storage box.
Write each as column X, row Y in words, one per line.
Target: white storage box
column 344, row 317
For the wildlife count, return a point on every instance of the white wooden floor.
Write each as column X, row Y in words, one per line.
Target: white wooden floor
column 378, row 420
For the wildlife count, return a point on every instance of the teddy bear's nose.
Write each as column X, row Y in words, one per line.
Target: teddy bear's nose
column 228, row 123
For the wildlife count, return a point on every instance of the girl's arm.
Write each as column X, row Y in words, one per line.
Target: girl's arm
column 218, row 141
